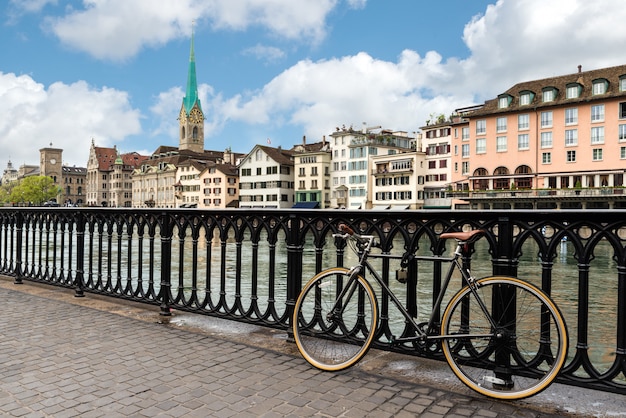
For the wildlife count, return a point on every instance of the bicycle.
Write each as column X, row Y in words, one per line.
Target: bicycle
column 501, row 336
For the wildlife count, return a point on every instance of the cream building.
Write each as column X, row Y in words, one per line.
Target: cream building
column 351, row 152
column 266, row 178
column 397, row 181
column 312, row 174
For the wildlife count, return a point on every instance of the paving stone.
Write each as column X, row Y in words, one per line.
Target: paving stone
column 67, row 360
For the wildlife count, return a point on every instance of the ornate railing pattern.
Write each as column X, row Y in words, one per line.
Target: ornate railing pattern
column 250, row 265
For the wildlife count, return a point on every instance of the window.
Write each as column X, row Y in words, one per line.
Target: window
column 546, row 158
column 523, row 122
column 622, row 110
column 622, row 83
column 525, row 99
column 597, row 154
column 481, row 145
column 573, row 91
column 622, row 133
column 548, row 95
column 546, row 119
column 599, row 87
column 522, row 142
column 503, row 102
column 501, row 124
column 571, row 156
column 571, row 116
column 465, row 167
column 465, row 133
column 546, row 140
column 501, row 143
column 481, row 127
column 465, row 150
column 597, row 135
column 622, row 153
column 571, row 137
column 597, row 113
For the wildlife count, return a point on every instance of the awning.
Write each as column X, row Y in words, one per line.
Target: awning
column 380, row 207
column 306, row 205
column 399, row 207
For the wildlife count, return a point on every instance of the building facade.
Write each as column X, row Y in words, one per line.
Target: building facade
column 312, row 174
column 554, row 143
column 351, row 171
column 109, row 176
column 266, row 178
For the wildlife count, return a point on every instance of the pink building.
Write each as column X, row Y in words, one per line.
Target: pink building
column 554, row 143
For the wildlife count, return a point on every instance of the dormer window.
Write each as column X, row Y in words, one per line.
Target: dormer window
column 526, row 97
column 573, row 91
column 600, row 86
column 622, row 83
column 504, row 101
column 548, row 94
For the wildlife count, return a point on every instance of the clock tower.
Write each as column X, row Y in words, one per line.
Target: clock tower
column 191, row 118
column 50, row 163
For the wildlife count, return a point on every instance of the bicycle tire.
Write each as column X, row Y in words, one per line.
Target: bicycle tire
column 336, row 343
column 520, row 357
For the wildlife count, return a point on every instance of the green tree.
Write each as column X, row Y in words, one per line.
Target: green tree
column 34, row 189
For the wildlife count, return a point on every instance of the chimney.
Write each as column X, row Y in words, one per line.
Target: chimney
column 303, row 139
column 324, row 140
column 580, row 69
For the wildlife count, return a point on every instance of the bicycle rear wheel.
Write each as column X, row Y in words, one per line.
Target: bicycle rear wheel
column 517, row 356
column 335, row 340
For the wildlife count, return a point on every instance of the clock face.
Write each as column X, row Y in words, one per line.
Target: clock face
column 196, row 116
column 53, row 161
column 183, row 116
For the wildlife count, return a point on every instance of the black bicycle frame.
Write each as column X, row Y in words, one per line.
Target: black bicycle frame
column 422, row 335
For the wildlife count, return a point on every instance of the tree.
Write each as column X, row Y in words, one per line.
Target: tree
column 35, row 189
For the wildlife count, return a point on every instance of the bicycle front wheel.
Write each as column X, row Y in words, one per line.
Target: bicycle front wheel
column 334, row 333
column 513, row 353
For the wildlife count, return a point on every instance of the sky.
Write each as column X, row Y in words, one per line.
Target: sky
column 272, row 71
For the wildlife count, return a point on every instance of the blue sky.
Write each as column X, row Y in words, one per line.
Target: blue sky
column 115, row 70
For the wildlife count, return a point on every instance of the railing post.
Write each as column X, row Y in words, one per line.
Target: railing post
column 503, row 262
column 79, row 280
column 294, row 269
column 166, row 263
column 19, row 225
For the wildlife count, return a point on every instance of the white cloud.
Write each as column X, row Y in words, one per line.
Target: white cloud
column 67, row 116
column 523, row 40
column 265, row 53
column 118, row 29
column 512, row 41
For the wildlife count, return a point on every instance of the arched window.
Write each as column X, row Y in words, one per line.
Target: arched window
column 523, row 182
column 194, row 134
column 501, row 182
column 182, row 132
column 480, row 184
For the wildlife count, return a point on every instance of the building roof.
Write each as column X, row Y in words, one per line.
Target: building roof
column 76, row 171
column 281, row 156
column 560, row 83
column 107, row 156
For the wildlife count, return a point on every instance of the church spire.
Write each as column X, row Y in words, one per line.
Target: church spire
column 191, row 96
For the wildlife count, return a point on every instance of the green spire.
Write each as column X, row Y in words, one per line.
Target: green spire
column 191, row 97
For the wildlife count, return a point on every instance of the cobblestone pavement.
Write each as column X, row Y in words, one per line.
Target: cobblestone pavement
column 61, row 359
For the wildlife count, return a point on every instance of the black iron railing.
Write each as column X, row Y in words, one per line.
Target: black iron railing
column 250, row 265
